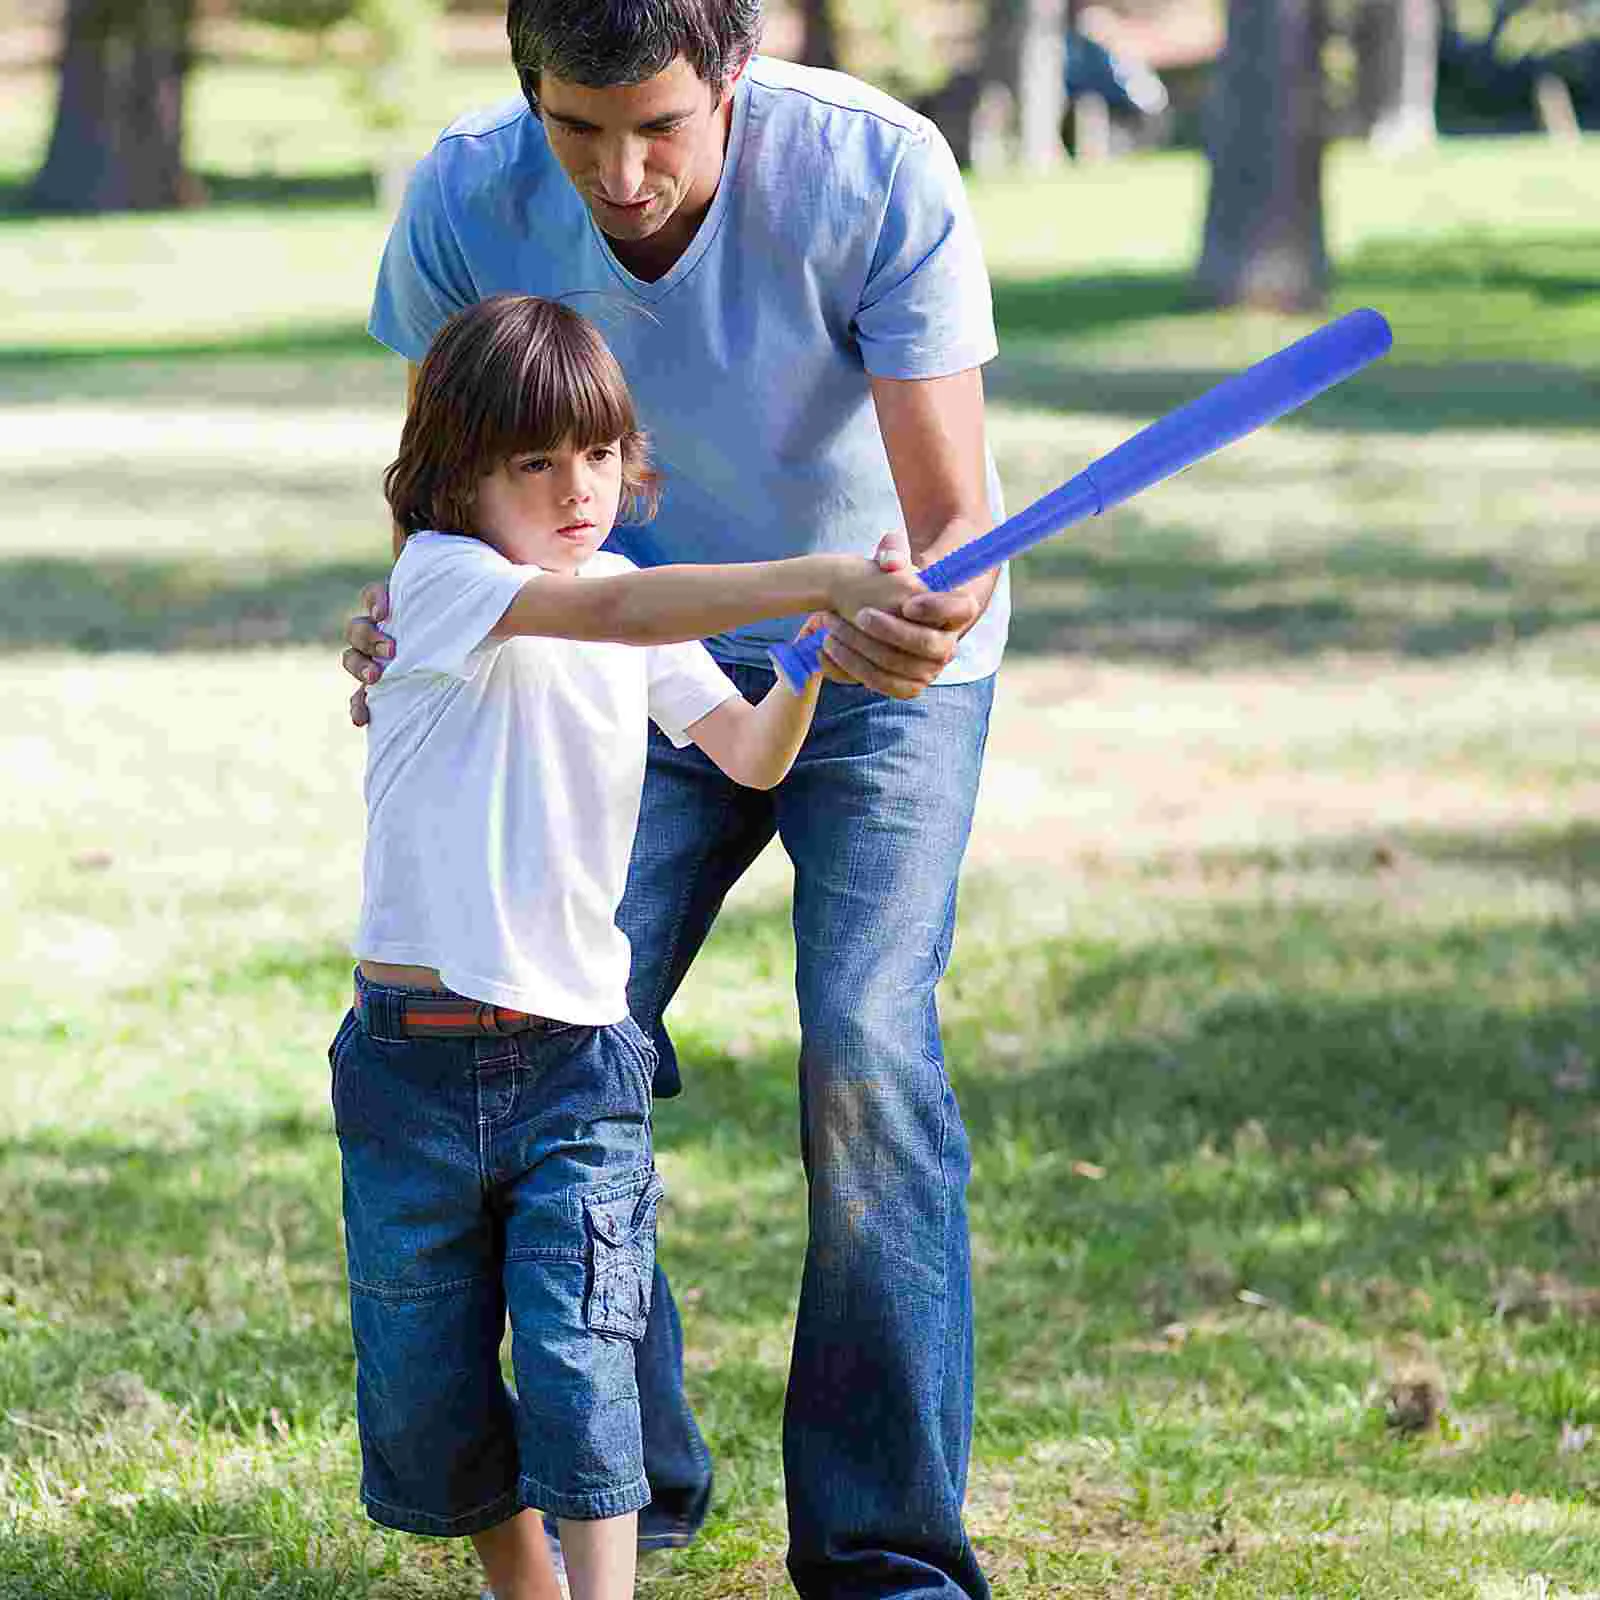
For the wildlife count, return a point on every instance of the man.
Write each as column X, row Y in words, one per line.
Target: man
column 784, row 264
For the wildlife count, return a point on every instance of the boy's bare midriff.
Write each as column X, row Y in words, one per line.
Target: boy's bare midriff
column 402, row 977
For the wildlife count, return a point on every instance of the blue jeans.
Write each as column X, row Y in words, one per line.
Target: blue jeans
column 484, row 1176
column 878, row 1422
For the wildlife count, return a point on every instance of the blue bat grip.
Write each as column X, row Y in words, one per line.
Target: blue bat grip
column 1235, row 407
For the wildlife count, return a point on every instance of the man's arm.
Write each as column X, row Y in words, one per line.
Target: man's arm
column 369, row 650
column 933, row 435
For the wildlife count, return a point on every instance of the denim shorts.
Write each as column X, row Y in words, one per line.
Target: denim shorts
column 487, row 1175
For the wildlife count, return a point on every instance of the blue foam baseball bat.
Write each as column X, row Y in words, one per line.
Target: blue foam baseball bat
column 1235, row 407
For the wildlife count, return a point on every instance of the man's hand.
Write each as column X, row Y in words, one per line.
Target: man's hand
column 900, row 655
column 370, row 649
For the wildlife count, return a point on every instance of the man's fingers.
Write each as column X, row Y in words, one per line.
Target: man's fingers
column 889, row 654
column 933, row 609
column 878, row 632
column 844, row 663
column 367, row 640
column 361, row 667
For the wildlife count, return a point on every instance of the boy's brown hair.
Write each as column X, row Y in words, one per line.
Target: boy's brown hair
column 510, row 375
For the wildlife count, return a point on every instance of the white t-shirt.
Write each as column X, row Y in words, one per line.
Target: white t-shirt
column 503, row 785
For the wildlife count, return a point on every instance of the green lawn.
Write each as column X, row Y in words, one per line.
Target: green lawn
column 1274, row 1013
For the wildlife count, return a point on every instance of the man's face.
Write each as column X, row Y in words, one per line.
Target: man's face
column 640, row 154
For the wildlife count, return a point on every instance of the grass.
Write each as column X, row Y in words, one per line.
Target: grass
column 1273, row 1014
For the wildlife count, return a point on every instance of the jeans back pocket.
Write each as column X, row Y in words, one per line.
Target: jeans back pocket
column 620, row 1223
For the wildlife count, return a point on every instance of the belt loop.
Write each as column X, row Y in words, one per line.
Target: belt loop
column 380, row 1010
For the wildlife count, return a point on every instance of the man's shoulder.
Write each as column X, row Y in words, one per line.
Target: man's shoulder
column 484, row 149
column 817, row 93
column 502, row 123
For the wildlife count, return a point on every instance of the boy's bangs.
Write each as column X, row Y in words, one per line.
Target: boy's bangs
column 562, row 393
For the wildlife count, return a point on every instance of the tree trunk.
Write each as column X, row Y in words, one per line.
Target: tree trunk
column 1024, row 57
column 117, row 144
column 1264, row 240
column 819, row 38
column 1397, row 62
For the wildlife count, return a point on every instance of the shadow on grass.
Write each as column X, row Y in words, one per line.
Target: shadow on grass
column 173, row 605
column 228, row 190
column 1135, row 591
column 1392, row 397
column 1474, row 345
column 211, row 1268
column 1130, row 592
column 1567, row 857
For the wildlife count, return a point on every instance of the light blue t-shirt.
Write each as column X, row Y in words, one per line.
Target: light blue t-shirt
column 839, row 244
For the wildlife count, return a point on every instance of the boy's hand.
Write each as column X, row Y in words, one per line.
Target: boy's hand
column 900, row 648
column 370, row 650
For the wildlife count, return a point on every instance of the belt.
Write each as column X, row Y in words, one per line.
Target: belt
column 425, row 1016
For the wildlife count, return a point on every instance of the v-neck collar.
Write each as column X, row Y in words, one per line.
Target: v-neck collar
column 640, row 288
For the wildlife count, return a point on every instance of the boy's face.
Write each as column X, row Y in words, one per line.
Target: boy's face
column 645, row 157
column 552, row 510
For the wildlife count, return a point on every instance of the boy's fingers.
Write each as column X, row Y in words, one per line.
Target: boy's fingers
column 359, row 714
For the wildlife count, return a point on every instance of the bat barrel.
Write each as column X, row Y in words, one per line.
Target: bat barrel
column 1235, row 407
column 1241, row 404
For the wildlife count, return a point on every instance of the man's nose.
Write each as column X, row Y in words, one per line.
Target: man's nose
column 622, row 170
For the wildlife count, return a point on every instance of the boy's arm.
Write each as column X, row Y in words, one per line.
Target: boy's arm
column 756, row 745
column 668, row 605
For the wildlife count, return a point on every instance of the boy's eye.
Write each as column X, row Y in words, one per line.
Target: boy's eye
column 534, row 464
column 602, row 452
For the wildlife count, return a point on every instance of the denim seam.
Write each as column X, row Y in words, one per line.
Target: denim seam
column 616, row 1501
column 492, row 1512
column 397, row 1292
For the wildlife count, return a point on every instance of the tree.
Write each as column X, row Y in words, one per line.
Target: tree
column 1023, row 54
column 1397, row 71
column 819, row 38
column 117, row 140
column 1264, row 239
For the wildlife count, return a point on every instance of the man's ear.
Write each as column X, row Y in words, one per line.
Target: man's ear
column 734, row 77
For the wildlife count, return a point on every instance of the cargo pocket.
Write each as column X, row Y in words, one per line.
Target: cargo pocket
column 620, row 1222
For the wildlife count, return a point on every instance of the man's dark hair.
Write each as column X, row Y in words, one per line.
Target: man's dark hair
column 513, row 374
column 604, row 43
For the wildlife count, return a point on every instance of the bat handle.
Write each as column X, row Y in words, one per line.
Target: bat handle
column 798, row 661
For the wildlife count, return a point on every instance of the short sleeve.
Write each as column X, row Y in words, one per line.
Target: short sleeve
column 685, row 684
column 423, row 279
column 925, row 309
column 446, row 594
